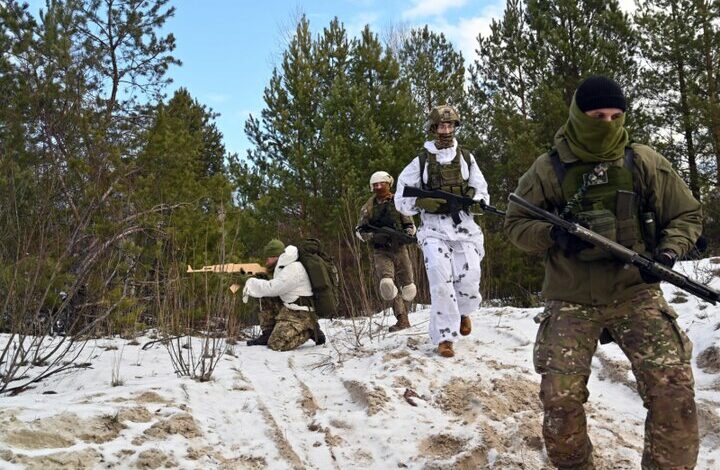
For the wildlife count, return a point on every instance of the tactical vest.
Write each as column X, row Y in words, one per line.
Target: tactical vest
column 385, row 215
column 607, row 199
column 445, row 177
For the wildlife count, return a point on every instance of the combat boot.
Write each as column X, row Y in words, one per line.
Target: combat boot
column 261, row 340
column 465, row 325
column 445, row 349
column 402, row 323
column 318, row 337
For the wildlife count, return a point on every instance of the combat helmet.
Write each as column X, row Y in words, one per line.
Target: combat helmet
column 442, row 113
column 381, row 177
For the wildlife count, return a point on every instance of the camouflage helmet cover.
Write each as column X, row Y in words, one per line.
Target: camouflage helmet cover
column 442, row 113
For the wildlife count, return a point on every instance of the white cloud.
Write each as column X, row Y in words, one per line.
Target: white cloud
column 464, row 33
column 359, row 21
column 423, row 8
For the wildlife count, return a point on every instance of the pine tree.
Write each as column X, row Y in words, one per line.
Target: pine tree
column 435, row 70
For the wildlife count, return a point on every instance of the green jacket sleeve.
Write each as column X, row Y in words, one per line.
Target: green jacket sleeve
column 678, row 213
column 525, row 231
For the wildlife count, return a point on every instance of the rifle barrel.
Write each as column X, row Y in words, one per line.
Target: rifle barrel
column 623, row 253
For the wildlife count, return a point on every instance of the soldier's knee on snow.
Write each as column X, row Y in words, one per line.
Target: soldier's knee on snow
column 408, row 292
column 388, row 291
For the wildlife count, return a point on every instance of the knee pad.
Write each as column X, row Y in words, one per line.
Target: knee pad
column 408, row 292
column 388, row 291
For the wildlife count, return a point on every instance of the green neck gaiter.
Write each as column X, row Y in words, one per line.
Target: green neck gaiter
column 592, row 140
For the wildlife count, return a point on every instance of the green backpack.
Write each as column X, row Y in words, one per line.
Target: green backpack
column 323, row 276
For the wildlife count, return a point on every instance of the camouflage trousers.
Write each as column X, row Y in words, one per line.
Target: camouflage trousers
column 292, row 329
column 394, row 264
column 646, row 330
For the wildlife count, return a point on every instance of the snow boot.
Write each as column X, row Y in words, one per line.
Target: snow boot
column 402, row 323
column 445, row 349
column 261, row 340
column 465, row 325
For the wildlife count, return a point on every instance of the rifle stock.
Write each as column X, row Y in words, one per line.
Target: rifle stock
column 623, row 254
column 245, row 269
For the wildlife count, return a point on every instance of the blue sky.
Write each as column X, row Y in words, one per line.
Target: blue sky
column 229, row 48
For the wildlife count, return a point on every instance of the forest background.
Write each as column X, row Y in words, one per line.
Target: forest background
column 109, row 189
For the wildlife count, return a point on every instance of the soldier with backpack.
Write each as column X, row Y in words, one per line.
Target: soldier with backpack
column 630, row 194
column 390, row 251
column 291, row 319
column 451, row 241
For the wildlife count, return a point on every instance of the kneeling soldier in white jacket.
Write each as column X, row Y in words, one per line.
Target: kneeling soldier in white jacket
column 291, row 322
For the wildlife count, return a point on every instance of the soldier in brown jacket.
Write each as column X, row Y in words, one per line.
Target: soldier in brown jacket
column 631, row 194
column 390, row 253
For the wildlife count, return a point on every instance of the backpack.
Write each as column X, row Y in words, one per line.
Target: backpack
column 323, row 275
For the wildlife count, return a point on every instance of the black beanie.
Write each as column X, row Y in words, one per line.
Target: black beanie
column 599, row 92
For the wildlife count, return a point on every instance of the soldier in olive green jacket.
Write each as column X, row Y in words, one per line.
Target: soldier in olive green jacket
column 631, row 194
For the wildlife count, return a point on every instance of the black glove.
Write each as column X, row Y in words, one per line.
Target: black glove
column 568, row 243
column 667, row 258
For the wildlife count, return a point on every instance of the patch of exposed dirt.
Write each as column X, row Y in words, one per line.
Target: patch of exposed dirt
column 79, row 460
column 101, row 429
column 180, row 423
column 474, row 459
column 709, row 423
column 137, row 414
column 615, row 371
column 284, row 448
column 242, row 462
column 60, row 431
column 395, row 355
column 402, row 382
column 498, row 399
column 372, row 399
column 151, row 397
column 154, row 458
column 307, row 400
column 336, row 423
column 709, row 360
column 443, row 446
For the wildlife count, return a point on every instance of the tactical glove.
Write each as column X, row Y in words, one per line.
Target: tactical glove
column 567, row 242
column 429, row 204
column 667, row 258
column 477, row 207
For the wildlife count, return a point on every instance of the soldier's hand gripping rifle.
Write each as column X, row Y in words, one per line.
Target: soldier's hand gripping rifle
column 402, row 237
column 244, row 269
column 626, row 255
column 456, row 202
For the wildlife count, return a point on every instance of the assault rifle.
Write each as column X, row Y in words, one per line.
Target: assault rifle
column 626, row 255
column 456, row 202
column 245, row 269
column 402, row 237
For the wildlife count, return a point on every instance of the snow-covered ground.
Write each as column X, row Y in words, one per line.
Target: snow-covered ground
column 366, row 399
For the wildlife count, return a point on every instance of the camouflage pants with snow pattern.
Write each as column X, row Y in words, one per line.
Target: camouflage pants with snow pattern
column 659, row 351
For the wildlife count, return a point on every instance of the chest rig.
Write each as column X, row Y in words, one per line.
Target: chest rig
column 446, row 177
column 607, row 199
column 384, row 214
